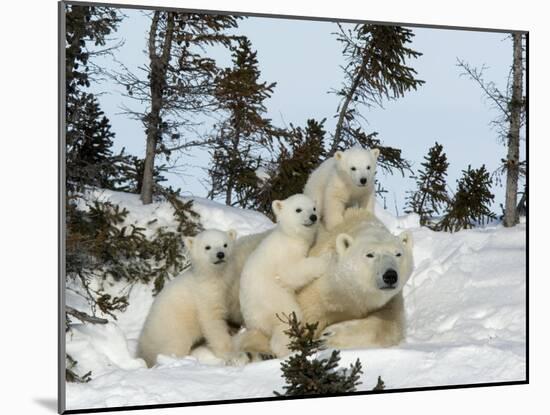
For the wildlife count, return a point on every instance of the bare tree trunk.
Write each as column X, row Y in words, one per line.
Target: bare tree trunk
column 147, row 182
column 512, row 162
column 235, row 144
column 159, row 66
column 343, row 110
column 229, row 192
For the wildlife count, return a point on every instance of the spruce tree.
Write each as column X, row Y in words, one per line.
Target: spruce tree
column 100, row 244
column 300, row 152
column 84, row 25
column 470, row 204
column 132, row 175
column 390, row 158
column 178, row 83
column 245, row 135
column 89, row 157
column 511, row 108
column 431, row 193
column 375, row 70
column 305, row 375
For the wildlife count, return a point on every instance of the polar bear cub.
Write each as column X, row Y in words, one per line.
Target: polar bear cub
column 277, row 268
column 194, row 305
column 345, row 180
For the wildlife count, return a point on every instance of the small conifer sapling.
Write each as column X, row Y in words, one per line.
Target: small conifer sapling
column 471, row 203
column 306, row 375
column 431, row 193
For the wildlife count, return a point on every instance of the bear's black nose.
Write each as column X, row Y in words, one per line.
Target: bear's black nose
column 363, row 180
column 313, row 218
column 390, row 277
column 220, row 255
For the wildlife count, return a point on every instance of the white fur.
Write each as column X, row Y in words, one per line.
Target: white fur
column 336, row 184
column 196, row 304
column 277, row 268
column 352, row 305
column 351, row 301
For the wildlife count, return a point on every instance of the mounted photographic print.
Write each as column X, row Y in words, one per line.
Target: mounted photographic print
column 260, row 207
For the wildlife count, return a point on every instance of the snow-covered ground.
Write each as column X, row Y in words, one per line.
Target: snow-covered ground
column 465, row 309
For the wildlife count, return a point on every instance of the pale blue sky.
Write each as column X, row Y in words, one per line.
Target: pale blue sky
column 304, row 58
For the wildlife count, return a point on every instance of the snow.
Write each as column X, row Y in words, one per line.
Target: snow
column 262, row 174
column 213, row 215
column 465, row 306
column 396, row 224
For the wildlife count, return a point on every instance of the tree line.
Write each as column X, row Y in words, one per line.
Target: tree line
column 252, row 160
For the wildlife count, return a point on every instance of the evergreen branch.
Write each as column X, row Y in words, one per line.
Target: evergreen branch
column 85, row 317
column 305, row 375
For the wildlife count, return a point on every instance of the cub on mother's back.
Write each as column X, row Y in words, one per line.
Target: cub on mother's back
column 343, row 181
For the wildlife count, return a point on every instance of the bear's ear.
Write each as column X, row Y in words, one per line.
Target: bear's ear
column 406, row 239
column 343, row 242
column 338, row 155
column 188, row 241
column 375, row 152
column 232, row 234
column 277, row 206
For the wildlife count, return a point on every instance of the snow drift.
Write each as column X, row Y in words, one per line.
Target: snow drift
column 465, row 306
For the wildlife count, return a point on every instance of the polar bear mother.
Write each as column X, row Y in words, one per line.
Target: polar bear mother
column 358, row 300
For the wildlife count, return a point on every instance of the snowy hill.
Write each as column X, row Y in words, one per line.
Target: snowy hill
column 465, row 308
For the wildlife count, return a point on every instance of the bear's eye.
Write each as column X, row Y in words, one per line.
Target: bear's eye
column 353, row 169
column 298, row 210
column 225, row 245
column 398, row 254
column 368, row 167
column 207, row 247
column 314, row 209
column 370, row 255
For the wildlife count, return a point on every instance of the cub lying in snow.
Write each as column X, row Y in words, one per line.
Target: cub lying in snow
column 277, row 268
column 196, row 304
column 343, row 181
